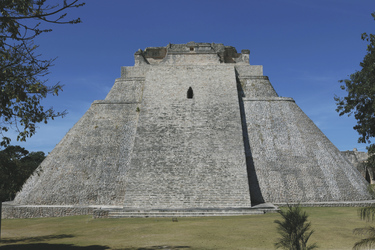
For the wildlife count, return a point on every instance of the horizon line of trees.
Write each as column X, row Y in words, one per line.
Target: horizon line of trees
column 16, row 165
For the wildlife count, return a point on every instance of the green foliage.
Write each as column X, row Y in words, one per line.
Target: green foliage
column 294, row 230
column 16, row 165
column 360, row 88
column 371, row 190
column 368, row 214
column 22, row 71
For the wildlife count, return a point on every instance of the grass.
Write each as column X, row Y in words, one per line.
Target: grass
column 333, row 230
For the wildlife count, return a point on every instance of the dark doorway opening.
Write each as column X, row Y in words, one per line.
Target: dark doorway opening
column 190, row 93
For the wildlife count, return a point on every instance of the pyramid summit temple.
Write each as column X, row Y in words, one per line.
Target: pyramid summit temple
column 190, row 127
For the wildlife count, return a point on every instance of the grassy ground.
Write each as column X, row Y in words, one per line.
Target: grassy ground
column 333, row 230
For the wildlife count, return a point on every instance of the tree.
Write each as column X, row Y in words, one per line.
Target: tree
column 368, row 214
column 294, row 230
column 22, row 71
column 16, row 166
column 360, row 88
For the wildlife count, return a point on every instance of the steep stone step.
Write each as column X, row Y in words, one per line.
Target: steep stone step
column 193, row 212
column 178, row 214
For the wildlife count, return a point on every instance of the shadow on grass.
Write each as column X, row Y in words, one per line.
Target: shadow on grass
column 26, row 243
column 153, row 248
column 46, row 246
column 35, row 239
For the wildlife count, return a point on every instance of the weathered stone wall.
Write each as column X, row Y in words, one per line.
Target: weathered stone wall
column 89, row 165
column 256, row 86
column 244, row 71
column 355, row 157
column 293, row 160
column 23, row 212
column 128, row 90
column 358, row 160
column 188, row 152
column 364, row 203
column 192, row 59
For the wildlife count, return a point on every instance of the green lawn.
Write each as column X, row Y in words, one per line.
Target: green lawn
column 333, row 230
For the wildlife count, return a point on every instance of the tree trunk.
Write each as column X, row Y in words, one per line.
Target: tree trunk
column 1, row 210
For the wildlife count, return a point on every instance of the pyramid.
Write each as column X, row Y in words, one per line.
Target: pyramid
column 189, row 126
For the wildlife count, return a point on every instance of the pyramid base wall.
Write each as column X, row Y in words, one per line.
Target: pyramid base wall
column 10, row 211
column 365, row 203
column 23, row 212
column 13, row 211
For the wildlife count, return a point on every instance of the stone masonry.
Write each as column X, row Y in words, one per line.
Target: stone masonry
column 190, row 126
column 358, row 159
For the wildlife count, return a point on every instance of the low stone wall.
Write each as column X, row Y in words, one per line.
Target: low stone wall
column 10, row 211
column 330, row 204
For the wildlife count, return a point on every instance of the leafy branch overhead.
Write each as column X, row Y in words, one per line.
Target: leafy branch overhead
column 22, row 71
column 360, row 99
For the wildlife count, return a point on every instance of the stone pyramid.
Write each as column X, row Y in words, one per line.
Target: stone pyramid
column 191, row 126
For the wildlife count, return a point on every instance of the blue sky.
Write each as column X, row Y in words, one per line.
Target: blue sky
column 305, row 48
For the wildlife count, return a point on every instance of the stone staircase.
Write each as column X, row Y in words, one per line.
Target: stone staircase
column 191, row 212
